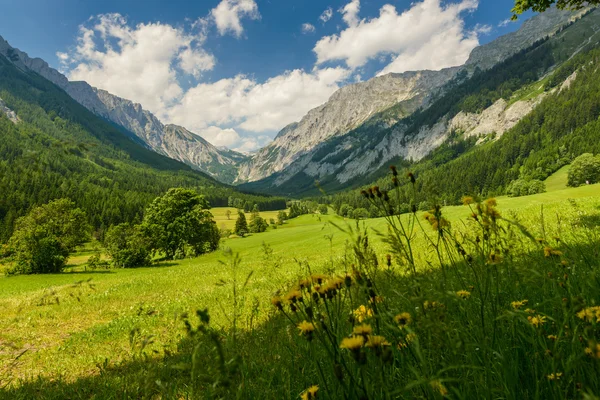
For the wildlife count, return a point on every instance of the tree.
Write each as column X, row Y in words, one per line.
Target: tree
column 127, row 246
column 257, row 223
column 360, row 213
column 281, row 217
column 323, row 209
column 585, row 168
column 241, row 225
column 228, row 214
column 542, row 5
column 44, row 238
column 180, row 219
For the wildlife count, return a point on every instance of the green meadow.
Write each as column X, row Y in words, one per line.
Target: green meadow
column 119, row 333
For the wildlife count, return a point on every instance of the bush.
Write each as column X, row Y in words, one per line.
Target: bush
column 360, row 213
column 126, row 246
column 323, row 209
column 44, row 238
column 523, row 187
column 257, row 223
column 584, row 169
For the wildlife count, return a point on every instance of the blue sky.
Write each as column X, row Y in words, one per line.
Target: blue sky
column 237, row 71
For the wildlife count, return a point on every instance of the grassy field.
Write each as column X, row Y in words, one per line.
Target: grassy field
column 75, row 326
column 220, row 214
column 558, row 180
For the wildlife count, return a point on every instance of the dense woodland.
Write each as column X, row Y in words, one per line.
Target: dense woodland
column 61, row 150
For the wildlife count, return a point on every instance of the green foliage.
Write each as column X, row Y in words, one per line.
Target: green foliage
column 127, row 246
column 180, row 219
column 323, row 209
column 241, row 225
column 257, row 223
column 281, row 217
column 522, row 187
column 44, row 238
column 360, row 213
column 542, row 5
column 584, row 169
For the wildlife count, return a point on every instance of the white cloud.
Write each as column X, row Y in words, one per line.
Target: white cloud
column 308, row 28
column 137, row 63
column 425, row 36
column 245, row 104
column 482, row 29
column 221, row 137
column 350, row 13
column 504, row 23
column 228, row 14
column 326, row 15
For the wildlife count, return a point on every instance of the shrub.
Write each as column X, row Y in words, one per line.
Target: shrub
column 241, row 225
column 126, row 246
column 524, row 187
column 44, row 238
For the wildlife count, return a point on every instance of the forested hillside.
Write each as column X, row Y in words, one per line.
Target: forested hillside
column 59, row 149
column 563, row 126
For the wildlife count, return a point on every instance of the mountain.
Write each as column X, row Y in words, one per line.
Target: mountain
column 364, row 126
column 170, row 140
column 52, row 147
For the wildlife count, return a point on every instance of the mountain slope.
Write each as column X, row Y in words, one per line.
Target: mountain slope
column 52, row 147
column 175, row 142
column 348, row 158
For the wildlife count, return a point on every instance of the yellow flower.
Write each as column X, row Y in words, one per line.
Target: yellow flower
column 466, row 200
column 294, row 296
column 362, row 313
column 593, row 351
column 549, row 252
column 376, row 342
column 377, row 299
column 306, row 328
column 552, row 337
column 518, row 304
column 463, row 294
column 554, row 376
column 310, row 393
column 529, row 311
column 318, row 278
column 588, row 314
column 537, row 321
column 403, row 319
column 277, row 302
column 437, row 386
column 352, row 343
column 362, row 330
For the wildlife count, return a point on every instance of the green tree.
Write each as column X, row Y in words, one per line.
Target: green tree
column 257, row 223
column 323, row 209
column 44, row 238
column 360, row 213
column 281, row 217
column 584, row 169
column 241, row 225
column 542, row 5
column 180, row 219
column 127, row 246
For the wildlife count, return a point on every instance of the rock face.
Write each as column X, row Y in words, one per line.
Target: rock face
column 300, row 147
column 347, row 108
column 10, row 114
column 172, row 141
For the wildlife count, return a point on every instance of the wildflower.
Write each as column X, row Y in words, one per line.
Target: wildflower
column 294, row 296
column 588, row 314
column 518, row 304
column 318, row 278
column 394, row 170
column 403, row 319
column 376, row 341
column 593, row 351
column 555, row 376
column 277, row 302
column 550, row 252
column 553, row 338
column 411, row 176
column 362, row 313
column 388, row 260
column 437, row 386
column 495, row 258
column 537, row 321
column 466, row 200
column 530, row 311
column 491, row 202
column 352, row 343
column 377, row 299
column 362, row 330
column 310, row 393
column 463, row 294
column 306, row 329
